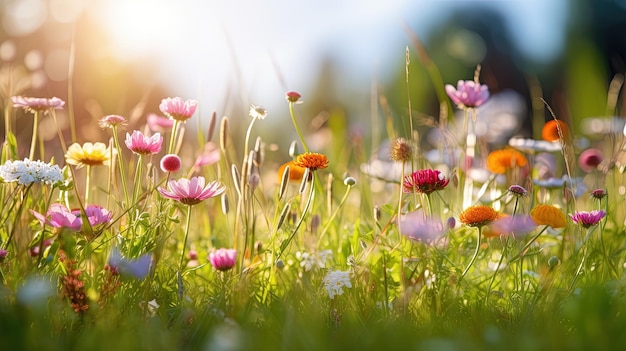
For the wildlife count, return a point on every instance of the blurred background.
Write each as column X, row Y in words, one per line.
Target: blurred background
column 347, row 59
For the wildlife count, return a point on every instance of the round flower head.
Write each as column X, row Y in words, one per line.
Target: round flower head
column 32, row 104
column 499, row 161
column 144, row 145
column 191, row 191
column 590, row 159
column 401, row 150
column 478, row 216
column 111, row 121
column 518, row 190
column 548, row 215
column 295, row 172
column 468, row 93
column 335, row 281
column 598, row 194
column 89, row 154
column 293, row 96
column 223, row 259
column 425, row 181
column 178, row 109
column 171, row 163
column 550, row 131
column 587, row 219
column 257, row 112
column 312, row 161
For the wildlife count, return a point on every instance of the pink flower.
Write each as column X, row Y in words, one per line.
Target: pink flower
column 590, row 159
column 468, row 94
column 192, row 191
column 418, row 227
column 171, row 163
column 293, row 96
column 58, row 216
column 587, row 218
column 111, row 121
column 143, row 145
column 209, row 156
column 96, row 214
column 178, row 109
column 32, row 104
column 223, row 259
column 158, row 123
column 518, row 225
column 425, row 181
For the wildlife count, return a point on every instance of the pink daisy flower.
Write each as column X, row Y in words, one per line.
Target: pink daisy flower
column 223, row 259
column 587, row 218
column 158, row 123
column 143, row 145
column 178, row 109
column 58, row 216
column 468, row 93
column 425, row 181
column 96, row 214
column 32, row 104
column 192, row 191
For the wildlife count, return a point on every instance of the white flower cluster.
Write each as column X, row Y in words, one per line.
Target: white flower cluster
column 311, row 260
column 27, row 172
column 335, row 281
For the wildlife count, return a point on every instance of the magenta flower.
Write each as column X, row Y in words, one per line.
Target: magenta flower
column 425, row 181
column 58, row 216
column 171, row 163
column 293, row 96
column 178, row 109
column 587, row 218
column 418, row 227
column 95, row 214
column 590, row 159
column 158, row 123
column 32, row 104
column 223, row 259
column 192, row 191
column 143, row 145
column 468, row 94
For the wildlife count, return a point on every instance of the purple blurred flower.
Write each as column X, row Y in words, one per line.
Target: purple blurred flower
column 587, row 218
column 418, row 227
column 58, row 216
column 223, row 259
column 468, row 93
column 178, row 109
column 590, row 159
column 518, row 225
column 144, row 145
column 138, row 268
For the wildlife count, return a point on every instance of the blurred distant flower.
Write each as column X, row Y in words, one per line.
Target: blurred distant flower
column 401, row 150
column 518, row 225
column 335, row 281
column 295, row 172
column 314, row 259
column 478, row 215
column 598, row 194
column 59, row 216
column 499, row 161
column 28, row 172
column 384, row 170
column 518, row 190
column 95, row 214
column 158, row 123
column 138, row 268
column 209, row 156
column 178, row 109
column 171, row 163
column 3, row 255
column 111, row 121
column 552, row 129
column 551, row 183
column 549, row 215
column 223, row 259
column 293, row 97
column 312, row 161
column 144, row 145
column 532, row 146
column 425, row 181
column 192, row 191
column 416, row 226
column 468, row 94
column 587, row 219
column 33, row 105
column 89, row 154
column 590, row 159
column 257, row 112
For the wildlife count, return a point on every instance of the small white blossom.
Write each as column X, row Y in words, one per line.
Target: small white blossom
column 257, row 112
column 312, row 260
column 335, row 281
column 27, row 172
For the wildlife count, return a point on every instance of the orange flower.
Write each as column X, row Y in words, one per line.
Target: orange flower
column 499, row 161
column 295, row 172
column 548, row 215
column 478, row 216
column 550, row 131
column 312, row 161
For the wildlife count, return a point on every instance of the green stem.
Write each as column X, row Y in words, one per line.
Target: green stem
column 493, row 278
column 521, row 252
column 332, row 218
column 474, row 255
column 295, row 124
column 179, row 274
column 17, row 216
column 120, row 162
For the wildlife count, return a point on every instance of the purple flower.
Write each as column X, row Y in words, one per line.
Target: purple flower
column 32, row 104
column 468, row 94
column 418, row 227
column 3, row 255
column 138, row 268
column 58, row 216
column 590, row 159
column 178, row 109
column 144, row 145
column 587, row 218
column 192, row 191
column 223, row 259
column 518, row 225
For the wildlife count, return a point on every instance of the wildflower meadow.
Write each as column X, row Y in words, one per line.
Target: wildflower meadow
column 171, row 234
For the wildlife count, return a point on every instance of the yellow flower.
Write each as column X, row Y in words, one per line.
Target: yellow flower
column 295, row 172
column 312, row 161
column 499, row 161
column 89, row 154
column 478, row 216
column 548, row 215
